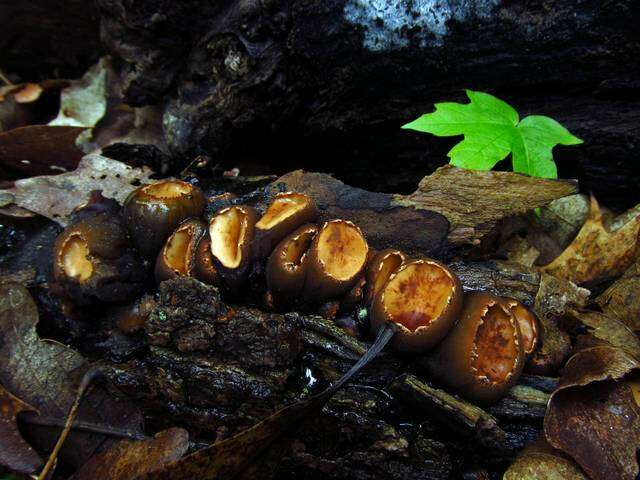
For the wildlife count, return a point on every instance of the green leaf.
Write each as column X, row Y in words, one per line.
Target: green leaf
column 532, row 148
column 492, row 130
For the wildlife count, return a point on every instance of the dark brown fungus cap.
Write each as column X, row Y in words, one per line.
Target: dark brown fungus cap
column 286, row 267
column 177, row 258
column 231, row 232
column 527, row 323
column 423, row 298
column 93, row 261
column 482, row 357
column 335, row 261
column 381, row 267
column 132, row 318
column 354, row 298
column 204, row 268
column 153, row 211
column 287, row 212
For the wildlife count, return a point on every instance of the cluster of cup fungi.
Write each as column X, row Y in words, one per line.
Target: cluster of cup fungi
column 477, row 342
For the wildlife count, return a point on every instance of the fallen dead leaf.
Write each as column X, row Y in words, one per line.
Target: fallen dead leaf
column 621, row 299
column 555, row 297
column 15, row 453
column 601, row 250
column 603, row 329
column 55, row 197
column 593, row 416
column 128, row 459
column 84, row 102
column 228, row 458
column 563, row 218
column 42, row 372
column 538, row 461
column 39, row 150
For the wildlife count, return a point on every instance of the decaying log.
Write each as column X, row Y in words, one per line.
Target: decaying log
column 388, row 421
column 325, row 84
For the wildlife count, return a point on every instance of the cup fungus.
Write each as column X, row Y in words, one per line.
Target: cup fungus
column 287, row 212
column 153, row 211
column 93, row 261
column 204, row 268
column 527, row 323
column 381, row 267
column 231, row 233
column 286, row 267
column 423, row 299
column 131, row 318
column 177, row 257
column 482, row 357
column 337, row 257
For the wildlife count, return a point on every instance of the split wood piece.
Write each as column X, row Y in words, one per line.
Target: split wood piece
column 452, row 206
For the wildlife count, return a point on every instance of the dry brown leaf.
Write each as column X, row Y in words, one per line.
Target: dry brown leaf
column 55, row 197
column 42, row 373
column 599, row 252
column 39, row 150
column 538, row 461
column 127, row 459
column 563, row 218
column 555, row 297
column 593, row 416
column 621, row 299
column 15, row 454
column 603, row 329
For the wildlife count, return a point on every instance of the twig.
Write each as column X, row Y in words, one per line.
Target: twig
column 33, row 418
column 88, row 377
column 4, row 78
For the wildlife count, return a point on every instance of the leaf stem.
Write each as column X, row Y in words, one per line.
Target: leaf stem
column 88, row 377
column 32, row 418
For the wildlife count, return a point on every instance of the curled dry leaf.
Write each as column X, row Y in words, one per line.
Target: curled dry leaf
column 128, row 459
column 621, row 299
column 55, row 197
column 538, row 461
column 601, row 250
column 15, row 454
column 603, row 329
column 563, row 218
column 594, row 417
column 41, row 372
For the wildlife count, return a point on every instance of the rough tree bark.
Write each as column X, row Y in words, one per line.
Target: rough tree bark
column 328, row 82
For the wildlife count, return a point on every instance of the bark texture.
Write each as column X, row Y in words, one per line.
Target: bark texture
column 327, row 83
column 388, row 423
